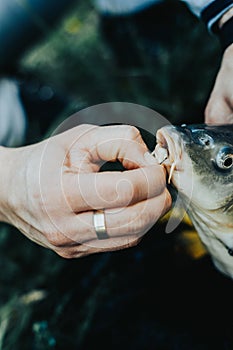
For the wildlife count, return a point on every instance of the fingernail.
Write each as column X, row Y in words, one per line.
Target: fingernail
column 150, row 159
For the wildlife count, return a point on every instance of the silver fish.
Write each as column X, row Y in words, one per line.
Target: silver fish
column 199, row 161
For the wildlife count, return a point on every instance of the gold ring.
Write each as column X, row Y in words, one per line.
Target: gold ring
column 99, row 224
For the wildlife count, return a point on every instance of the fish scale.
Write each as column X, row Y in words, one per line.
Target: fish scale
column 199, row 162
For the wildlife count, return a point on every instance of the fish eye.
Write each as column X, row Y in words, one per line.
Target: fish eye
column 224, row 159
column 205, row 140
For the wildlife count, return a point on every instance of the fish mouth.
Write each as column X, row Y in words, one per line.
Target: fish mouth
column 169, row 149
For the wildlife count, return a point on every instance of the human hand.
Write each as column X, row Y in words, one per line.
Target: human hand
column 49, row 190
column 219, row 109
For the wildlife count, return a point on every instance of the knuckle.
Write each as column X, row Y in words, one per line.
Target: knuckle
column 132, row 193
column 139, row 222
column 167, row 203
column 160, row 181
column 69, row 254
column 65, row 254
column 57, row 239
column 129, row 242
column 134, row 241
column 131, row 132
column 136, row 193
column 127, row 190
column 168, row 200
column 153, row 181
column 85, row 127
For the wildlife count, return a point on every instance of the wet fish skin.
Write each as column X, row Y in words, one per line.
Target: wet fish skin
column 203, row 156
column 203, row 176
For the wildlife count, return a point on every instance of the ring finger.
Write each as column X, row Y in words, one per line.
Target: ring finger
column 123, row 225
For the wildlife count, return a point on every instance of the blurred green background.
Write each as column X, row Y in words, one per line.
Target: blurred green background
column 171, row 70
column 153, row 296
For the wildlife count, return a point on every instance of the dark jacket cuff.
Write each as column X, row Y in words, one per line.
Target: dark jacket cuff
column 213, row 12
column 225, row 34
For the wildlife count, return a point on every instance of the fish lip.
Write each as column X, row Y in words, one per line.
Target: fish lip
column 169, row 138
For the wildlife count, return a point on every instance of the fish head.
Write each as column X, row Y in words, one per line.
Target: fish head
column 199, row 161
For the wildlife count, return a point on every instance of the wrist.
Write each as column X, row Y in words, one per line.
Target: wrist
column 5, row 178
column 10, row 171
column 227, row 15
column 225, row 30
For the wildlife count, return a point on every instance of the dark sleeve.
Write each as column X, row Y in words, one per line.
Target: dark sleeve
column 214, row 11
column 210, row 11
column 225, row 33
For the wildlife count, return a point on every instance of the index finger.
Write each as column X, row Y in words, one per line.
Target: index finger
column 109, row 143
column 113, row 189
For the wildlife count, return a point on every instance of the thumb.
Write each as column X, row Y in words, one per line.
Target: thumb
column 218, row 111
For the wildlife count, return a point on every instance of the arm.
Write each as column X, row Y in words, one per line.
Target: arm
column 218, row 17
column 49, row 190
column 219, row 109
column 210, row 11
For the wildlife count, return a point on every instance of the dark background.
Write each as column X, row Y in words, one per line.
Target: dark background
column 165, row 293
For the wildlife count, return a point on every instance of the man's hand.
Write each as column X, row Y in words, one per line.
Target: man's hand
column 49, row 190
column 219, row 109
